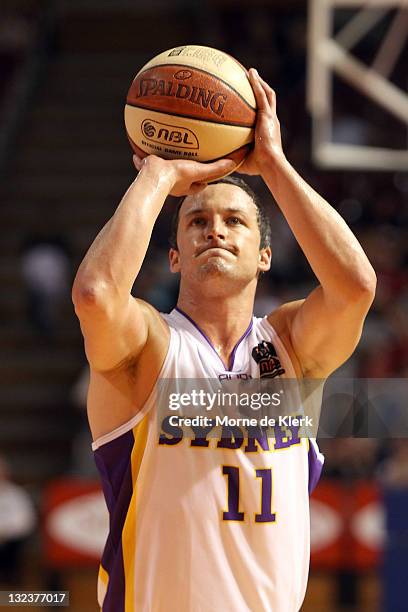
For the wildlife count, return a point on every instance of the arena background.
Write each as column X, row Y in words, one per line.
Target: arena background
column 65, row 162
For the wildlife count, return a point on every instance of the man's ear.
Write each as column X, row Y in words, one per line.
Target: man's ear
column 174, row 261
column 265, row 259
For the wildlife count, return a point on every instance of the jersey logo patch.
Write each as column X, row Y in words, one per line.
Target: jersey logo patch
column 266, row 357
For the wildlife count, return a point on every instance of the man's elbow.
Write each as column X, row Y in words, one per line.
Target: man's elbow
column 89, row 296
column 357, row 291
column 365, row 287
column 369, row 283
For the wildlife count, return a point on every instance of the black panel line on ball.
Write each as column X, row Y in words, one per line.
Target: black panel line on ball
column 204, row 72
column 210, row 161
column 175, row 114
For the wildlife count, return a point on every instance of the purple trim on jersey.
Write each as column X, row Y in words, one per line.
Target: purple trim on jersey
column 115, row 595
column 234, row 350
column 113, row 461
column 244, row 335
column 315, row 468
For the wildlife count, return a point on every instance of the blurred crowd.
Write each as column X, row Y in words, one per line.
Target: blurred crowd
column 16, row 36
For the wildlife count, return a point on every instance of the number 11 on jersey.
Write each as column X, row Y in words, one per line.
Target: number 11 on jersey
column 233, row 486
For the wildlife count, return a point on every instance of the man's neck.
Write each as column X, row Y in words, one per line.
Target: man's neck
column 223, row 319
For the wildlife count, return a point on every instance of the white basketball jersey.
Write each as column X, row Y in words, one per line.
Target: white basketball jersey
column 200, row 523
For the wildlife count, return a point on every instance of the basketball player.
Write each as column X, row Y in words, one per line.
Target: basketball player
column 204, row 524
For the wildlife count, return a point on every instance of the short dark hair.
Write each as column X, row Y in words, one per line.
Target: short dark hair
column 261, row 213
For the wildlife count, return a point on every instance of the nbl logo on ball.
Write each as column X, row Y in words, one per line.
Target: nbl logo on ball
column 148, row 129
column 169, row 134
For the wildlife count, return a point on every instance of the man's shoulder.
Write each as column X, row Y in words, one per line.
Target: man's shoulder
column 281, row 317
column 156, row 320
column 117, row 395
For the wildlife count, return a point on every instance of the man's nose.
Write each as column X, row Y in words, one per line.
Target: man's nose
column 215, row 229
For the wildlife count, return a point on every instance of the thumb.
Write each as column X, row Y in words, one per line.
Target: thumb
column 217, row 169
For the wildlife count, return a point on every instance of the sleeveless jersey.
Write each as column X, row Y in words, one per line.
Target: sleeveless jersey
column 198, row 527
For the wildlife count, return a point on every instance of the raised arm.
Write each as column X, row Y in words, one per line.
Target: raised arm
column 114, row 324
column 324, row 329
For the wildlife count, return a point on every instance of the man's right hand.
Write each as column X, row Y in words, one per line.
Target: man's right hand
column 186, row 177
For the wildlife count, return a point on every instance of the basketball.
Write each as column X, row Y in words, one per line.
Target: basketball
column 191, row 102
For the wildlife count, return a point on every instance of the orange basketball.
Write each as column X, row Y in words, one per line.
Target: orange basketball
column 191, row 102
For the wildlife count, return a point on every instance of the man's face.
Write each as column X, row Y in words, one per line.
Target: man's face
column 218, row 237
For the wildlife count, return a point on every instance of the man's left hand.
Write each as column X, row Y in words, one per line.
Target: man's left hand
column 268, row 143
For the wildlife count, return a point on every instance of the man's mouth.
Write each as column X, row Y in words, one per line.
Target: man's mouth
column 215, row 250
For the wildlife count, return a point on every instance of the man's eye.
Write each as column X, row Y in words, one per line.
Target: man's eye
column 234, row 220
column 198, row 221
